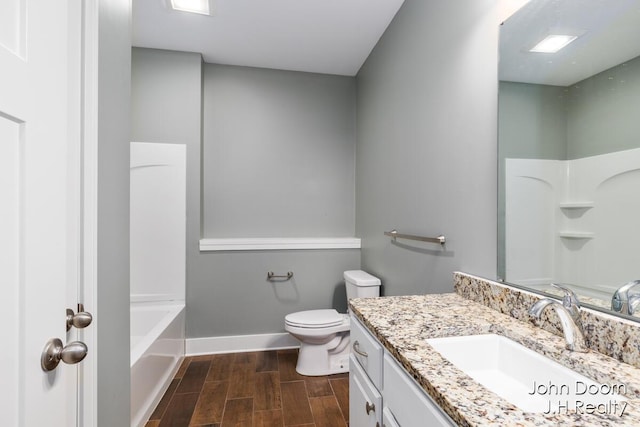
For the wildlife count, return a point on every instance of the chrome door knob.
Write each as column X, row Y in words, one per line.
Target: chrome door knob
column 54, row 352
column 80, row 320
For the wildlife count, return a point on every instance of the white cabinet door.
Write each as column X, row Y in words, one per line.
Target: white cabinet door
column 365, row 402
column 39, row 213
column 388, row 420
column 409, row 404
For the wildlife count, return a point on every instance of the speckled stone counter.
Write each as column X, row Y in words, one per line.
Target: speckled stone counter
column 402, row 324
column 611, row 335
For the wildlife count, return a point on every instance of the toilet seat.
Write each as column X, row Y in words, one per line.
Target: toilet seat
column 313, row 319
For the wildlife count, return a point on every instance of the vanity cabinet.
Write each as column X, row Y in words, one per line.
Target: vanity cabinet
column 405, row 402
column 381, row 392
column 388, row 420
column 365, row 377
column 367, row 351
column 365, row 400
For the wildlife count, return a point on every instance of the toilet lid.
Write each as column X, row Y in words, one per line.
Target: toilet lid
column 315, row 318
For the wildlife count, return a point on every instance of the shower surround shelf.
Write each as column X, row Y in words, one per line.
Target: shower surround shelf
column 576, row 234
column 577, row 205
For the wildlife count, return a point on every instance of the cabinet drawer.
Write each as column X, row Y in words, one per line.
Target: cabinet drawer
column 365, row 401
column 367, row 351
column 408, row 402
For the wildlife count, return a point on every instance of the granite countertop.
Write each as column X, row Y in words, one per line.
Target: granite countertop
column 402, row 324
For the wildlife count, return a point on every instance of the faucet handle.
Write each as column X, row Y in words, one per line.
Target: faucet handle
column 570, row 299
column 620, row 301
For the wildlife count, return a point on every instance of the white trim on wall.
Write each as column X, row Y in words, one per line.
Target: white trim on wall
column 88, row 291
column 278, row 243
column 239, row 343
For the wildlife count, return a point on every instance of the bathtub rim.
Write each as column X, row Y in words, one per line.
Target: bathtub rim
column 174, row 309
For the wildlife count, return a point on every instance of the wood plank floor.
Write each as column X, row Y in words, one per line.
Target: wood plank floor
column 257, row 389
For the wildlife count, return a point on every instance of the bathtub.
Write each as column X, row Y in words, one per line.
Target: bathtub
column 157, row 349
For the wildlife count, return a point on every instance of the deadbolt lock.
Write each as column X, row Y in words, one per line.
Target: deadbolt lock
column 80, row 320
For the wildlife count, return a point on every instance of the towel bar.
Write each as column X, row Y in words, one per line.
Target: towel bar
column 393, row 233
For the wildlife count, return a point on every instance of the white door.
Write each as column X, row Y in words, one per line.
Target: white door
column 39, row 205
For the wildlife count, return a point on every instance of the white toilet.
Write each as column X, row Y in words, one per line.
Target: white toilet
column 324, row 334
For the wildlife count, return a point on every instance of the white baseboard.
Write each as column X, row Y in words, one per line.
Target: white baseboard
column 240, row 343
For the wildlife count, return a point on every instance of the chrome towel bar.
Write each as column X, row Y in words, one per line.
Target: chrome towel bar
column 393, row 233
column 271, row 275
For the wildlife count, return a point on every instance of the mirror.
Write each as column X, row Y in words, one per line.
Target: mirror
column 569, row 149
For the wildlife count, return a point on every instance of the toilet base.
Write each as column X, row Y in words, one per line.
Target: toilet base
column 327, row 359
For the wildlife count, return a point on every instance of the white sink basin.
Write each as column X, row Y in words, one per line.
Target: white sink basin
column 530, row 381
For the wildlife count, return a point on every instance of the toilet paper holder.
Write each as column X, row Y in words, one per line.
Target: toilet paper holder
column 271, row 275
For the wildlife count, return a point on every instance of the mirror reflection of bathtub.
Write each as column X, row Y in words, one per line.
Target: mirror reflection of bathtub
column 571, row 222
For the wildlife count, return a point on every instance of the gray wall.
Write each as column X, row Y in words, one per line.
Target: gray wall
column 279, row 153
column 166, row 99
column 112, row 313
column 533, row 121
column 426, row 150
column 594, row 116
column 227, row 292
column 603, row 112
column 278, row 161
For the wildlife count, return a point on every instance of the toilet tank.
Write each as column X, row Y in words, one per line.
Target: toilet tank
column 361, row 284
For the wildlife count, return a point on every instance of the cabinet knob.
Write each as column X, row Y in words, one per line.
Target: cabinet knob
column 370, row 407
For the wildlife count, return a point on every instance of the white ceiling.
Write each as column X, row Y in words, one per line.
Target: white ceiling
column 321, row 36
column 609, row 35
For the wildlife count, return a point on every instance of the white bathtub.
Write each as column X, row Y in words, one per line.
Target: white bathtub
column 157, row 349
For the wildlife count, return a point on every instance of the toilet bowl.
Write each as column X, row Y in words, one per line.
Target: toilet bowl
column 324, row 334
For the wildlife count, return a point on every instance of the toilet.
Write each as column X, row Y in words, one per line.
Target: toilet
column 324, row 334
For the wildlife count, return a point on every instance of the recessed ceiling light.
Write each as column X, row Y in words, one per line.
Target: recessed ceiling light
column 553, row 43
column 194, row 6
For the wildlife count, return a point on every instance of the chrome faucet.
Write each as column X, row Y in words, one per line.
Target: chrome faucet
column 569, row 315
column 623, row 302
